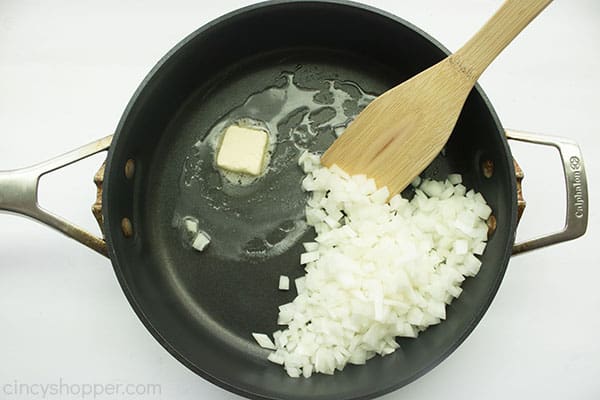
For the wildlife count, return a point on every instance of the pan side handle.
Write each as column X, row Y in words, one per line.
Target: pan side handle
column 576, row 189
column 19, row 193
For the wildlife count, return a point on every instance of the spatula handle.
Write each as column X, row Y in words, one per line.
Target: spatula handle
column 514, row 15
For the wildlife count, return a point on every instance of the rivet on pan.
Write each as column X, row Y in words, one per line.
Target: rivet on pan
column 129, row 168
column 127, row 227
column 491, row 223
column 488, row 168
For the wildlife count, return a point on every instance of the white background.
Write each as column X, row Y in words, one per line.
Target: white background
column 67, row 70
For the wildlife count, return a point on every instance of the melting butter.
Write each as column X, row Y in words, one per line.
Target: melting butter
column 257, row 217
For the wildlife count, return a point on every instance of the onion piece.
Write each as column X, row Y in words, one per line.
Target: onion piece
column 284, row 283
column 264, row 341
column 201, row 241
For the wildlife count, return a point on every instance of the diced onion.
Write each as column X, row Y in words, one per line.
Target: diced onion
column 284, row 283
column 191, row 224
column 306, row 258
column 264, row 341
column 201, row 241
column 379, row 268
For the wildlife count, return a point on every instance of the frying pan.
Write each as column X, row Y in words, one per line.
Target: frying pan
column 202, row 307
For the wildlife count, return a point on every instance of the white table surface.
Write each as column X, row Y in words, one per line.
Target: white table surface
column 67, row 70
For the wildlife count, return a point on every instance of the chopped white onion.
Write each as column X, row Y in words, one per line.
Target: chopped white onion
column 276, row 358
column 300, row 284
column 455, row 179
column 191, row 224
column 306, row 258
column 201, row 241
column 284, row 283
column 264, row 341
column 310, row 246
column 378, row 268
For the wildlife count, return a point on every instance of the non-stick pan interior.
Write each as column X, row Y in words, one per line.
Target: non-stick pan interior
column 203, row 306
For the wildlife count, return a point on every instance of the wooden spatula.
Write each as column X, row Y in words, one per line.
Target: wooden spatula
column 396, row 136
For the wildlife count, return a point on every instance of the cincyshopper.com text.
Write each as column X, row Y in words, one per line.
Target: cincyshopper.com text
column 66, row 390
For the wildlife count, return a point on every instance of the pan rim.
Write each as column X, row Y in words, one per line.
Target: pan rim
column 112, row 241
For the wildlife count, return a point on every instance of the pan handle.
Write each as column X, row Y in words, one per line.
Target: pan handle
column 576, row 189
column 19, row 193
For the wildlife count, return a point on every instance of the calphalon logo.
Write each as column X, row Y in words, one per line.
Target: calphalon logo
column 575, row 164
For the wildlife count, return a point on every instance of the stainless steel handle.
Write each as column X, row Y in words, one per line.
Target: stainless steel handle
column 19, row 193
column 576, row 187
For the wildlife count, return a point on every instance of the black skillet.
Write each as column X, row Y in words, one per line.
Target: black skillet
column 202, row 307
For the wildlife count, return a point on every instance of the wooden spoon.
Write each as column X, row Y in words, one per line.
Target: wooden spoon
column 396, row 136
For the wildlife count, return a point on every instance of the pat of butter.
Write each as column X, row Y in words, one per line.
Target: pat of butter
column 243, row 150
